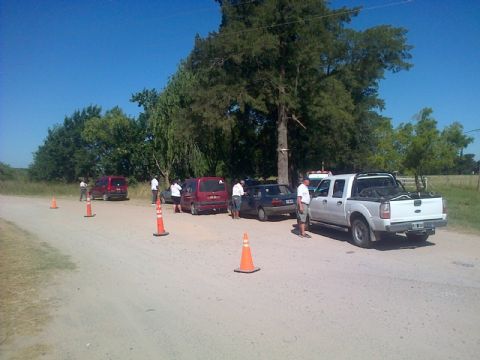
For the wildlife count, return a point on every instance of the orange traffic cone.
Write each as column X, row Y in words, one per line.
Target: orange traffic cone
column 246, row 263
column 54, row 204
column 89, row 207
column 160, row 229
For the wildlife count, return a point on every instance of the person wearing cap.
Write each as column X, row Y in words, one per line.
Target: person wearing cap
column 303, row 202
column 154, row 187
column 237, row 193
column 175, row 193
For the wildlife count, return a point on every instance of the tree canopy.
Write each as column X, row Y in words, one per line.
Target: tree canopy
column 280, row 88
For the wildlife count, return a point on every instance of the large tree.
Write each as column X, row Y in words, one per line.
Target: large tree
column 295, row 64
column 65, row 155
column 172, row 145
column 114, row 140
column 427, row 150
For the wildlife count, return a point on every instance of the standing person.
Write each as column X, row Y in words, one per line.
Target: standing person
column 154, row 187
column 237, row 193
column 175, row 193
column 83, row 189
column 303, row 201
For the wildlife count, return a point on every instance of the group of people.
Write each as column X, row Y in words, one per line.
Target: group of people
column 303, row 200
column 175, row 189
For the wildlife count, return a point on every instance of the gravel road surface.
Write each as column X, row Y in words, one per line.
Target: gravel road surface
column 136, row 296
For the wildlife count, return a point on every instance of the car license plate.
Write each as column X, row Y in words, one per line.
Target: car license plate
column 213, row 196
column 289, row 201
column 417, row 225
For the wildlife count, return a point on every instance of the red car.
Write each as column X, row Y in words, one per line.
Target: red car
column 110, row 187
column 204, row 194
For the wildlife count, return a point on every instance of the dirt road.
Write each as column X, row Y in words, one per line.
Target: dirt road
column 135, row 296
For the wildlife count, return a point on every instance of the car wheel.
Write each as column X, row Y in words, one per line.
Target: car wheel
column 361, row 233
column 193, row 209
column 262, row 216
column 417, row 237
column 162, row 199
column 105, row 197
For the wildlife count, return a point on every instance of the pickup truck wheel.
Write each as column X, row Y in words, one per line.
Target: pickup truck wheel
column 105, row 197
column 361, row 233
column 261, row 215
column 417, row 237
column 193, row 209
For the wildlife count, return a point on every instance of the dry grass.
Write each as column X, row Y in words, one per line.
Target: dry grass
column 16, row 187
column 466, row 181
column 26, row 266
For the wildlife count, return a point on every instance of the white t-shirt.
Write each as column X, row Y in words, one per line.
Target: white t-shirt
column 302, row 191
column 83, row 185
column 237, row 190
column 154, row 184
column 175, row 189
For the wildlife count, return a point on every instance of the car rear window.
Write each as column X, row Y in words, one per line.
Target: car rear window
column 371, row 182
column 118, row 182
column 212, row 185
column 277, row 190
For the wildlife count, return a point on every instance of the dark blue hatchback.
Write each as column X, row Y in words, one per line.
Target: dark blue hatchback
column 266, row 200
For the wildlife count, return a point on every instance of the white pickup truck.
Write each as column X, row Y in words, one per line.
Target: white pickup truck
column 371, row 204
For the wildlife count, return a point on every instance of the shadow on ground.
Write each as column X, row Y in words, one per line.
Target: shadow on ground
column 387, row 243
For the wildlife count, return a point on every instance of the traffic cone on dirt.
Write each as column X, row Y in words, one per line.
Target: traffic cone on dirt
column 89, row 207
column 246, row 263
column 53, row 205
column 160, row 228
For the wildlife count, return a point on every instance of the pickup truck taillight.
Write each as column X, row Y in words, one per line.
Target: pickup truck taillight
column 277, row 202
column 444, row 210
column 385, row 210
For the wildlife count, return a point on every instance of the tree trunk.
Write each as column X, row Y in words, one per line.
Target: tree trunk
column 282, row 132
column 282, row 145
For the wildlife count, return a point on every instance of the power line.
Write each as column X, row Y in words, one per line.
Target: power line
column 375, row 7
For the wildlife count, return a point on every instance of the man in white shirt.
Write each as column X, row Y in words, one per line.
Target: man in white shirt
column 175, row 193
column 237, row 193
column 83, row 190
column 154, row 187
column 303, row 201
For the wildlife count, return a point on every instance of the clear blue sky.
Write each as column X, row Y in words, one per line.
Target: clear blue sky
column 58, row 56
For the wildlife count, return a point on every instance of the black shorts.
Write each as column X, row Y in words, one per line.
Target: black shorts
column 176, row 200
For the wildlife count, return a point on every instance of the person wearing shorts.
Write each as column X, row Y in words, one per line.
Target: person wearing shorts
column 175, row 191
column 303, row 202
column 237, row 193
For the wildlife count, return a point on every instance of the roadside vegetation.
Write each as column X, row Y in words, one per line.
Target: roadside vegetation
column 26, row 267
column 463, row 198
column 266, row 94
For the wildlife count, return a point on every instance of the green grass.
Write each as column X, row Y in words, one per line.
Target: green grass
column 26, row 267
column 463, row 206
column 463, row 200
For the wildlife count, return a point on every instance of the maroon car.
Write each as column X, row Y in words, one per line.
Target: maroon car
column 204, row 194
column 110, row 187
